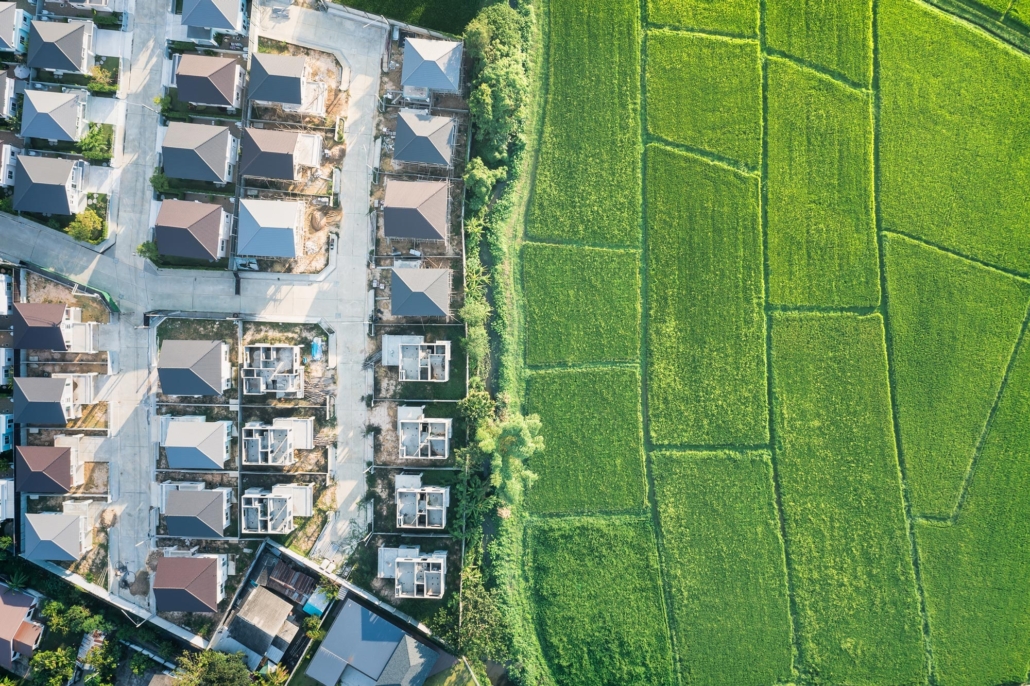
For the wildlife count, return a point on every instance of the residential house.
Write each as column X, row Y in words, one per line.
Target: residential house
column 54, row 400
column 363, row 647
column 187, row 582
column 270, row 229
column 273, row 369
column 54, row 116
column 50, row 185
column 193, row 230
column 285, row 80
column 9, row 164
column 417, row 360
column 48, row 469
column 59, row 537
column 14, row 28
column 419, row 506
column 6, row 432
column 192, row 511
column 415, row 575
column 272, row 511
column 416, row 210
column 195, row 443
column 421, row 437
column 224, row 16
column 8, row 497
column 20, row 634
column 275, row 154
column 8, row 93
column 199, row 152
column 263, row 625
column 420, row 292
column 273, row 445
column 6, row 294
column 62, row 46
column 54, row 326
column 422, row 138
column 194, row 368
column 6, row 366
column 209, row 81
column 430, row 66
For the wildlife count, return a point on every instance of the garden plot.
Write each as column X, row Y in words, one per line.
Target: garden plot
column 737, row 17
column 836, row 36
column 594, row 459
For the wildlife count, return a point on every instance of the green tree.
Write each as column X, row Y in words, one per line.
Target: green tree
column 312, row 628
column 477, row 405
column 6, row 547
column 147, row 250
column 18, row 580
column 139, row 664
column 211, row 668
column 510, row 442
column 160, row 182
column 87, row 226
column 96, row 144
column 52, row 667
column 479, row 182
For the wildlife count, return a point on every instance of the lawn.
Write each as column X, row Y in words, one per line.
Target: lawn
column 976, row 572
column 588, row 176
column 822, row 234
column 954, row 325
column 737, row 17
column 723, row 560
column 706, row 328
column 449, row 16
column 954, row 133
column 847, row 544
column 837, row 36
column 594, row 456
column 706, row 92
column 598, row 602
column 582, row 304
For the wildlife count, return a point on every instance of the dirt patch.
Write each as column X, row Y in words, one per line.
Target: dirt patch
column 141, row 584
column 95, row 416
column 92, row 566
column 42, row 290
column 96, row 477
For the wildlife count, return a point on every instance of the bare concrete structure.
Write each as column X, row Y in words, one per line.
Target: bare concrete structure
column 421, row 437
column 418, row 506
column 272, row 511
column 415, row 575
column 273, row 445
column 273, row 369
column 417, row 360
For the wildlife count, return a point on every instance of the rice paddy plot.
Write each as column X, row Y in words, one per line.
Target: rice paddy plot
column 954, row 325
column 822, row 233
column 848, row 548
column 954, row 137
column 706, row 325
column 737, row 17
column 582, row 304
column 587, row 185
column 976, row 572
column 706, row 92
column 723, row 561
column 594, row 459
column 836, row 35
column 598, row 601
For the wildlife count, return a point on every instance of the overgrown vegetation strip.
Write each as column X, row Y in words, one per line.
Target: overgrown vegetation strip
column 706, row 328
column 852, row 573
column 822, row 234
column 838, row 36
column 723, row 560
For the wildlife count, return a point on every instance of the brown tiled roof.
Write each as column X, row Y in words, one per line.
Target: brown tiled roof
column 206, row 80
column 188, row 229
column 186, row 584
column 37, row 326
column 14, row 606
column 42, row 469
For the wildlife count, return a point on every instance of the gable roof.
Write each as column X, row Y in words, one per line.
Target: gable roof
column 195, row 151
column 190, row 367
column 42, row 469
column 57, row 45
column 41, row 184
column 37, row 326
column 424, row 138
column 52, row 536
column 277, row 78
column 420, row 293
column 186, row 584
column 195, row 514
column 432, row 64
column 359, row 638
column 213, row 14
column 415, row 209
column 268, row 153
column 50, row 115
column 14, row 606
column 37, row 401
column 259, row 619
column 409, row 665
column 267, row 228
column 188, row 229
column 195, row 445
column 8, row 10
column 206, row 80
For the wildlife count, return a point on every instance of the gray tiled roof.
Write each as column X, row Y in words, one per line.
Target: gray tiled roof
column 420, row 292
column 37, row 326
column 188, row 229
column 190, row 367
column 415, row 209
column 40, row 184
column 194, row 514
column 432, row 64
column 409, row 665
column 359, row 638
column 186, row 584
column 259, row 619
column 424, row 138
column 37, row 401
column 57, row 45
column 214, row 14
column 8, row 10
column 52, row 537
column 268, row 154
column 51, row 115
column 277, row 78
column 206, row 80
column 195, row 445
column 195, row 151
column 267, row 228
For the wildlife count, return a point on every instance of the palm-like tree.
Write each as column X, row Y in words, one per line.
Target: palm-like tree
column 18, row 580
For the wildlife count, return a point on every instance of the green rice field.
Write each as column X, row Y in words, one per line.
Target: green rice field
column 774, row 292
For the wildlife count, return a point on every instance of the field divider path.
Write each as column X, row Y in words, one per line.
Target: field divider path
column 575, row 366
column 889, row 345
column 708, row 448
column 706, row 155
column 1015, row 274
column 821, row 309
column 831, row 74
column 699, row 32
column 797, row 653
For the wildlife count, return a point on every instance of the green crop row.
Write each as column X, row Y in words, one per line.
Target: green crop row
column 954, row 325
column 834, row 35
column 847, row 543
column 587, row 185
column 706, row 326
column 594, row 461
column 976, row 573
column 598, row 602
column 822, row 235
column 738, row 17
column 582, row 304
column 706, row 92
column 723, row 561
column 954, row 130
